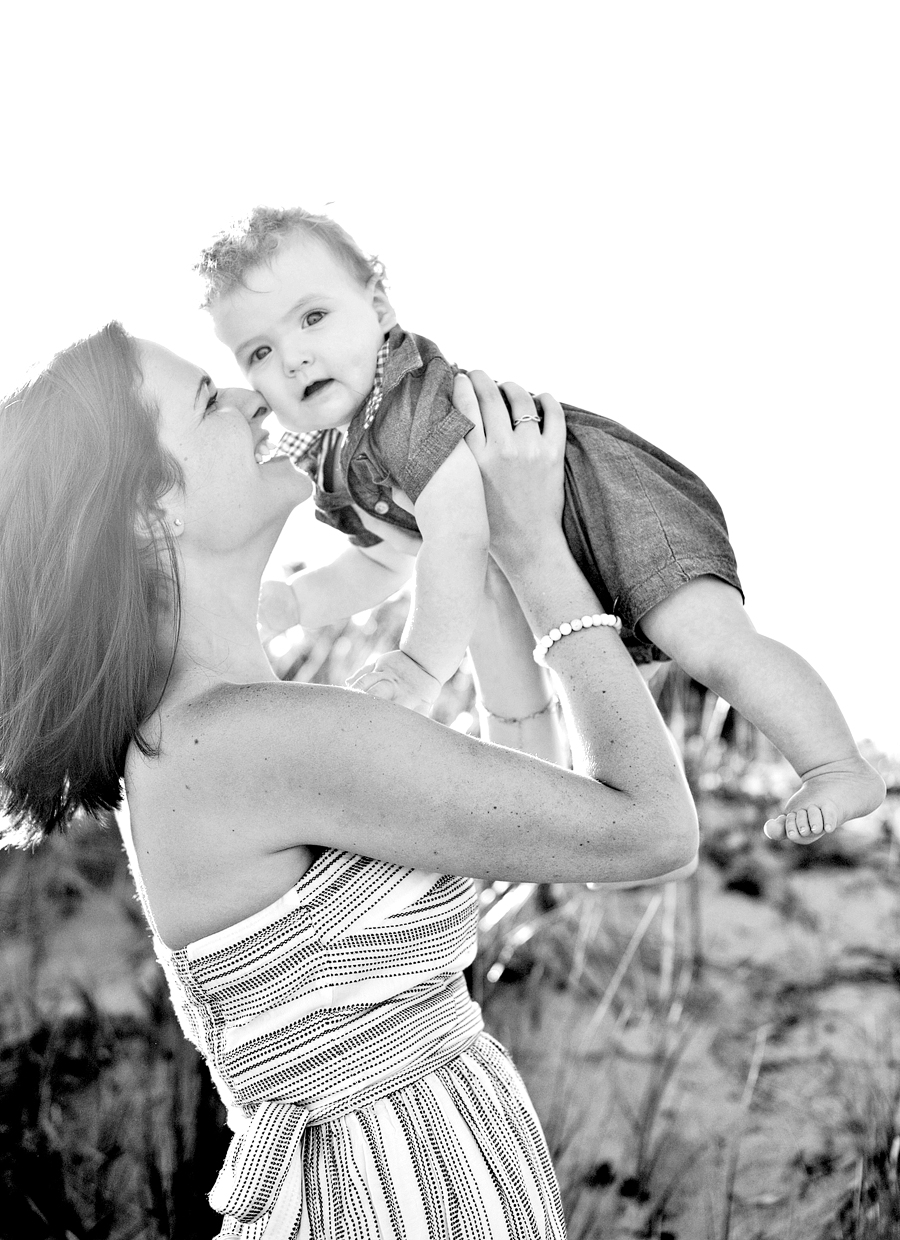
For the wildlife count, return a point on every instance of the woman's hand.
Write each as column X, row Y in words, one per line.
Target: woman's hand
column 520, row 454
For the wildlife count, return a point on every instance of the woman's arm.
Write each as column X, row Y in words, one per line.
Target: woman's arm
column 517, row 702
column 265, row 768
column 317, row 765
column 502, row 651
column 590, row 665
column 522, row 692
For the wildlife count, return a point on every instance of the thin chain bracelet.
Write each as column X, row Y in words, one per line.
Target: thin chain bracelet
column 535, row 714
column 573, row 626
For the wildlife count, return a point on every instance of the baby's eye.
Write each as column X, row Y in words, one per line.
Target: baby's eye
column 212, row 403
column 314, row 317
column 258, row 354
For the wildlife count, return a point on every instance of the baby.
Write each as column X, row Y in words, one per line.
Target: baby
column 370, row 417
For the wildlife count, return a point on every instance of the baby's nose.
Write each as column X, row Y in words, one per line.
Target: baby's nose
column 296, row 357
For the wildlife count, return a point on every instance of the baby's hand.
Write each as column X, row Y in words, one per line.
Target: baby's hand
column 398, row 678
column 277, row 610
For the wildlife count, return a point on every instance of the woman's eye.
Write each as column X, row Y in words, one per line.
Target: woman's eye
column 212, row 403
column 314, row 317
column 259, row 354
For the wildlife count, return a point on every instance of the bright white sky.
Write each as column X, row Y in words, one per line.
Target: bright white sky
column 683, row 216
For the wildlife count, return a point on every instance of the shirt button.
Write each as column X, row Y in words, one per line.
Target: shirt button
column 382, row 507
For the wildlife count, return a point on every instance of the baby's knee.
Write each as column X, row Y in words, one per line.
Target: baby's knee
column 715, row 657
column 703, row 627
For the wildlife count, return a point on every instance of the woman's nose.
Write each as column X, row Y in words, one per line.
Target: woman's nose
column 250, row 403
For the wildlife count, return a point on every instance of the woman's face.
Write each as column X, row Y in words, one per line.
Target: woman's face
column 230, row 498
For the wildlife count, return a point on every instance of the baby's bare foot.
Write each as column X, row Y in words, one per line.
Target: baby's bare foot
column 829, row 796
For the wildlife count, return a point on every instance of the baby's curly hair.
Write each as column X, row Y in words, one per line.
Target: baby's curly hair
column 251, row 242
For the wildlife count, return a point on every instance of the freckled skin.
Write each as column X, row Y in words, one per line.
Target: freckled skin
column 353, row 784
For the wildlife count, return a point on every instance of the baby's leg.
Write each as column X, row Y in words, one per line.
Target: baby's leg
column 704, row 628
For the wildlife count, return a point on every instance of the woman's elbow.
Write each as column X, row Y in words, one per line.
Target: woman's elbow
column 655, row 880
column 676, row 836
column 670, row 833
column 678, row 861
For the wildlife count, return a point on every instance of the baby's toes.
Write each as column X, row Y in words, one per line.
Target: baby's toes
column 816, row 819
column 774, row 829
column 797, row 828
column 797, row 824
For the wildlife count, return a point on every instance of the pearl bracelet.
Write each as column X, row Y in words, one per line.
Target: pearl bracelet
column 574, row 626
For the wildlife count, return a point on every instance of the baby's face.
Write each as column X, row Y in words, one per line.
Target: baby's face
column 306, row 334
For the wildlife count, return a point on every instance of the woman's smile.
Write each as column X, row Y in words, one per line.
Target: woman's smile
column 266, row 450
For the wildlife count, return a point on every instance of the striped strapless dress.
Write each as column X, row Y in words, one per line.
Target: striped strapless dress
column 366, row 1100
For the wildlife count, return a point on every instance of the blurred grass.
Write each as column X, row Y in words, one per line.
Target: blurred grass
column 110, row 1128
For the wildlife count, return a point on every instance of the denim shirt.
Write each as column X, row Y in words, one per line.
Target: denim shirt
column 401, row 442
column 638, row 522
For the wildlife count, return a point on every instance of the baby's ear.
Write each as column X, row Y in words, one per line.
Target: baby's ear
column 387, row 316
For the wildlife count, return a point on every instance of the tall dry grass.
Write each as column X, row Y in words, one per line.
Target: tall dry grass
column 109, row 1127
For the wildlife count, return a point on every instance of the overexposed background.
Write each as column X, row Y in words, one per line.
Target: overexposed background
column 681, row 215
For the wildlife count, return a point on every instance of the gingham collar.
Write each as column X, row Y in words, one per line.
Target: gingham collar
column 374, row 402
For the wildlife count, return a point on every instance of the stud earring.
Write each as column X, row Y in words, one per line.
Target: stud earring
column 178, row 523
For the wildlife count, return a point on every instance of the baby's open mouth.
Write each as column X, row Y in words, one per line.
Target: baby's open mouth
column 314, row 388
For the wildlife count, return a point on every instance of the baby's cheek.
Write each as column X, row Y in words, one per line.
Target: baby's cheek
column 366, row 357
column 270, row 393
column 280, row 403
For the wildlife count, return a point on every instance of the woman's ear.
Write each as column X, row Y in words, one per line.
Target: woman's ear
column 171, row 511
column 148, row 526
column 387, row 316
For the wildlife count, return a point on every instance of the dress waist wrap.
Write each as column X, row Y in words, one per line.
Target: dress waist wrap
column 261, row 1172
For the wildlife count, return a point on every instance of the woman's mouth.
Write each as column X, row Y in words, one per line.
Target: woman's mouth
column 267, row 450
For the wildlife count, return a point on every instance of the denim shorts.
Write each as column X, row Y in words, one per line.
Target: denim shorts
column 638, row 522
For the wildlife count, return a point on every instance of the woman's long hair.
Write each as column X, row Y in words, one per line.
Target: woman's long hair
column 82, row 582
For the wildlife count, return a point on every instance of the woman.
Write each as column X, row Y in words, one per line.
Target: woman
column 292, row 844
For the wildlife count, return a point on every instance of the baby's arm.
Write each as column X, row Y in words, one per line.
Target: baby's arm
column 450, row 568
column 361, row 577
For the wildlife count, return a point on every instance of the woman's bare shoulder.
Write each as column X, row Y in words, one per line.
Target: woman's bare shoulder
column 261, row 711
column 223, row 741
column 225, row 719
column 200, row 815
column 318, row 765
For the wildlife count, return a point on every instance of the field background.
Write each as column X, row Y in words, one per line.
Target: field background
column 684, row 216
column 712, row 1059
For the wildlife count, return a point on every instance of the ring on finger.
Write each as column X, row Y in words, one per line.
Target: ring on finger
column 527, row 417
